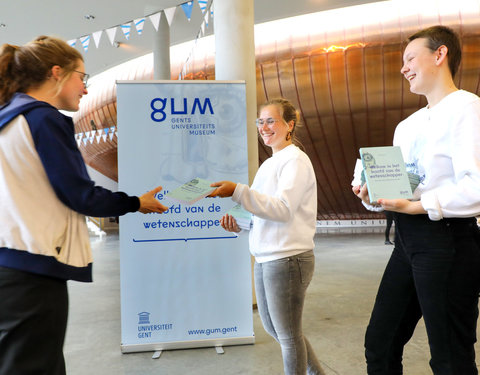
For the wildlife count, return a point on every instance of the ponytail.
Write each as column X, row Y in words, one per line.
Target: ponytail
column 28, row 66
column 8, row 85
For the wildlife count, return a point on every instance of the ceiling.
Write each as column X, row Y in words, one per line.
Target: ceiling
column 23, row 20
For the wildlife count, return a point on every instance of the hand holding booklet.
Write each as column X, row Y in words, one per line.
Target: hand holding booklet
column 191, row 192
column 242, row 216
column 385, row 173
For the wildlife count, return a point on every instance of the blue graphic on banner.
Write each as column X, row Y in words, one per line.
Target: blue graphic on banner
column 180, row 271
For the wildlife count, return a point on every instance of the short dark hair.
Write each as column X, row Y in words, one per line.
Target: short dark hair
column 442, row 36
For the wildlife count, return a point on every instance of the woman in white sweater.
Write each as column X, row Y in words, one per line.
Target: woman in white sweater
column 283, row 201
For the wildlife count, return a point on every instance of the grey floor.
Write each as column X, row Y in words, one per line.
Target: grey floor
column 339, row 300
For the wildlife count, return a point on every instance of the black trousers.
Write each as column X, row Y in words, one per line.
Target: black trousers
column 33, row 320
column 434, row 272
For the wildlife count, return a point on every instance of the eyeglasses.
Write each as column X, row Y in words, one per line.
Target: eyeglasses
column 269, row 121
column 84, row 77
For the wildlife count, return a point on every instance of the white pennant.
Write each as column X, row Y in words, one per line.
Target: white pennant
column 139, row 23
column 110, row 135
column 98, row 138
column 85, row 42
column 111, row 34
column 78, row 142
column 202, row 27
column 96, row 37
column 104, row 137
column 169, row 13
column 203, row 5
column 205, row 17
column 155, row 19
column 72, row 42
column 126, row 27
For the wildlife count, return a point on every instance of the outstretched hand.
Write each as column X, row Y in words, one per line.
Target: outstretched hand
column 229, row 223
column 223, row 189
column 148, row 202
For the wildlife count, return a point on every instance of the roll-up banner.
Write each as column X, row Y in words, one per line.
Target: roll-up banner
column 185, row 282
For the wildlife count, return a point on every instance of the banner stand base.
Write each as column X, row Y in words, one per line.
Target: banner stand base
column 161, row 346
column 219, row 350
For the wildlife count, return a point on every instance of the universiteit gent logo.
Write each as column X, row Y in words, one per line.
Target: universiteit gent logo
column 144, row 318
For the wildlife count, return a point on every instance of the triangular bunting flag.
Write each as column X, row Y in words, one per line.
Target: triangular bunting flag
column 106, row 130
column 96, row 37
column 85, row 42
column 98, row 138
column 111, row 34
column 126, row 29
column 85, row 140
column 110, row 136
column 205, row 17
column 72, row 42
column 187, row 9
column 203, row 5
column 155, row 19
column 169, row 13
column 91, row 139
column 112, row 129
column 139, row 23
column 99, row 132
column 78, row 142
column 104, row 137
column 202, row 28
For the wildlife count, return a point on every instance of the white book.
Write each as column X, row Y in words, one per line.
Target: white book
column 191, row 192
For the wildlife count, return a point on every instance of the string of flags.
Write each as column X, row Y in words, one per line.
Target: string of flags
column 96, row 135
column 139, row 24
column 206, row 11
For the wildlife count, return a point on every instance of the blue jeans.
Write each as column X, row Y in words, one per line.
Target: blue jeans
column 280, row 286
column 434, row 272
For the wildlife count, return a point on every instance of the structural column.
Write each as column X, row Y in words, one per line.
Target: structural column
column 235, row 60
column 161, row 50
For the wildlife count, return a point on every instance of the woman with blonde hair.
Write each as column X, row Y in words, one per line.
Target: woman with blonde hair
column 283, row 201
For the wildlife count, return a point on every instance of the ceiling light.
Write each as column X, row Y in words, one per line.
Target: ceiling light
column 89, row 17
column 3, row 25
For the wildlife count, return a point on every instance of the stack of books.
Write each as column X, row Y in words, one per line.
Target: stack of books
column 242, row 216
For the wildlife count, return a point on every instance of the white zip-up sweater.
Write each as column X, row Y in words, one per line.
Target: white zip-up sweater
column 283, row 201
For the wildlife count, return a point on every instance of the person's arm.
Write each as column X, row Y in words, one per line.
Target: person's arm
column 461, row 199
column 53, row 137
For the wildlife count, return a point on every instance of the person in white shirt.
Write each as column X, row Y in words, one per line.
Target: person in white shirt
column 434, row 270
column 283, row 201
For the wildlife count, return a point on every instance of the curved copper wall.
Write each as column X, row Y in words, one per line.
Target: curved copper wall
column 341, row 68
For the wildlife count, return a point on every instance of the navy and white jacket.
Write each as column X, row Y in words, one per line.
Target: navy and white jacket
column 45, row 191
